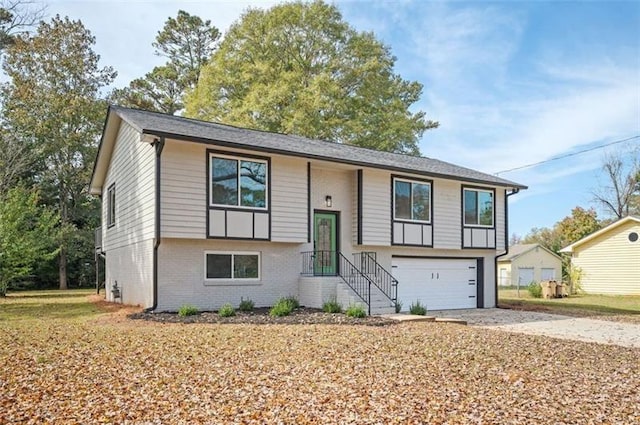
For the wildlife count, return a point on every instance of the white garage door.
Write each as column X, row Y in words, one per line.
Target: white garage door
column 440, row 284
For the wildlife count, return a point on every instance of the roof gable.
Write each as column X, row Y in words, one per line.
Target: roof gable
column 601, row 232
column 519, row 250
column 170, row 126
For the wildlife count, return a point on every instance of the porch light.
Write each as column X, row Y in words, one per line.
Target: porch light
column 328, row 201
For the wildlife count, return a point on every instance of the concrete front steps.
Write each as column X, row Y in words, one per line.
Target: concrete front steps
column 380, row 304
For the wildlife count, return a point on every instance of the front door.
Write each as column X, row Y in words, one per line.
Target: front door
column 325, row 243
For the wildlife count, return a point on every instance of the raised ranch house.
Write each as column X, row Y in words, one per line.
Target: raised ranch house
column 609, row 258
column 526, row 263
column 200, row 213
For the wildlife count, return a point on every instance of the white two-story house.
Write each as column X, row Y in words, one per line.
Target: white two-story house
column 200, row 213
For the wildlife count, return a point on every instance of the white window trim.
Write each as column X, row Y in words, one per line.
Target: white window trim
column 409, row 220
column 239, row 158
column 111, row 206
column 464, row 205
column 233, row 279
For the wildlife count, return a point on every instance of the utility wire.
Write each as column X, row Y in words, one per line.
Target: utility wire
column 568, row 155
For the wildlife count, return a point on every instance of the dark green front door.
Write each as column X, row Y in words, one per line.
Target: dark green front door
column 324, row 242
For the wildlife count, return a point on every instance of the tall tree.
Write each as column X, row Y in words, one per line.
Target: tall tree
column 187, row 42
column 16, row 16
column 300, row 68
column 26, row 233
column 52, row 102
column 619, row 195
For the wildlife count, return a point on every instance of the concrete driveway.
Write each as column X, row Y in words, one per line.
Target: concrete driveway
column 553, row 325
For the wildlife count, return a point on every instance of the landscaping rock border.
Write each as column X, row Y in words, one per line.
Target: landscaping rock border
column 260, row 316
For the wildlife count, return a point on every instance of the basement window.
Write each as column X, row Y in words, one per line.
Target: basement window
column 232, row 265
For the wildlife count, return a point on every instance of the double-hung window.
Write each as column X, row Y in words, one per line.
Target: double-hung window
column 478, row 207
column 232, row 265
column 111, row 205
column 411, row 200
column 238, row 182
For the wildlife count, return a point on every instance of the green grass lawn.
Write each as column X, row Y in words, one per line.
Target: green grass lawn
column 50, row 304
column 583, row 303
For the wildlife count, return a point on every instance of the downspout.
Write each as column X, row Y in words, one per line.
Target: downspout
column 506, row 239
column 158, row 144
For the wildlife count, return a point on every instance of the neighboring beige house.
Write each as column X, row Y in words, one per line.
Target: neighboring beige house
column 203, row 213
column 610, row 258
column 526, row 263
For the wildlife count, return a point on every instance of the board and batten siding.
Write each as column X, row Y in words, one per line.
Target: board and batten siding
column 288, row 200
column 132, row 170
column 610, row 263
column 376, row 207
column 500, row 219
column 183, row 190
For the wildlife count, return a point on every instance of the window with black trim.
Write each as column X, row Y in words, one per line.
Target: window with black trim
column 111, row 206
column 478, row 207
column 237, row 182
column 232, row 265
column 411, row 200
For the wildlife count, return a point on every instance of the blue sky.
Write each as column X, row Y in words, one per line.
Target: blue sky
column 512, row 83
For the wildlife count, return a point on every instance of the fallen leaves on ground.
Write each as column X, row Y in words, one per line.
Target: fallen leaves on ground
column 65, row 371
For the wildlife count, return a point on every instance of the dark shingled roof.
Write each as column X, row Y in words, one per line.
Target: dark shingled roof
column 189, row 129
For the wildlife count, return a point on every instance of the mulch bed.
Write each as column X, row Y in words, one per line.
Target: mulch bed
column 260, row 316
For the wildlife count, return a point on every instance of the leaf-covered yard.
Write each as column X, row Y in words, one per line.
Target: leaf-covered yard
column 95, row 367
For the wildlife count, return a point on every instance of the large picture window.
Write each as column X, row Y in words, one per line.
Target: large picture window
column 412, row 200
column 232, row 265
column 478, row 207
column 238, row 182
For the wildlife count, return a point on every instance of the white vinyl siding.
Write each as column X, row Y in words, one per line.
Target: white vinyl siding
column 376, row 208
column 132, row 169
column 183, row 190
column 288, row 200
column 610, row 263
column 446, row 214
column 499, row 201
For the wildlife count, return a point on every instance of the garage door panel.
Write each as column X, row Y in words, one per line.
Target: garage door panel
column 437, row 283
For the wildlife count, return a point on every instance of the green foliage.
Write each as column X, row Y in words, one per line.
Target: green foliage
column 27, row 235
column 332, row 306
column 575, row 279
column 188, row 42
column 355, row 310
column 293, row 301
column 282, row 307
column 535, row 290
column 398, row 306
column 52, row 105
column 417, row 309
column 187, row 310
column 246, row 305
column 226, row 310
column 299, row 68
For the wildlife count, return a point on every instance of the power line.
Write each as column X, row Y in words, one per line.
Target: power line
column 568, row 155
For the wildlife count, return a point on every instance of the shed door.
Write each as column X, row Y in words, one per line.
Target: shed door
column 440, row 284
column 548, row 274
column 525, row 276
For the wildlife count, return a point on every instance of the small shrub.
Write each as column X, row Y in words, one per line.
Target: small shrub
column 187, row 310
column 245, row 305
column 418, row 309
column 535, row 290
column 332, row 306
column 293, row 301
column 398, row 306
column 282, row 307
column 355, row 310
column 226, row 310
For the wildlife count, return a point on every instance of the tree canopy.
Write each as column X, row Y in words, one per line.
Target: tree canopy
column 187, row 42
column 619, row 195
column 52, row 105
column 299, row 68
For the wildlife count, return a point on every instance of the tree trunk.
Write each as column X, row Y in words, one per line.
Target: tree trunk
column 63, row 268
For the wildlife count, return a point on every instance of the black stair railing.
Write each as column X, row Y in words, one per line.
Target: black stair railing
column 333, row 263
column 380, row 277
